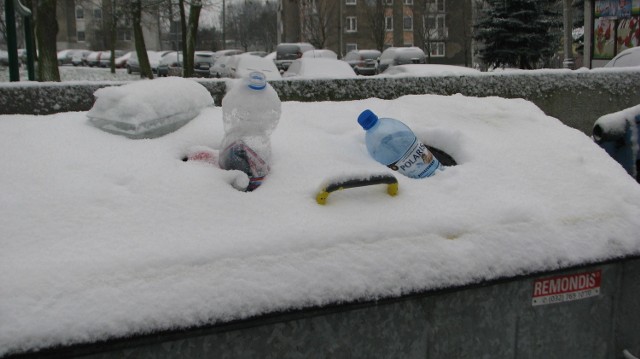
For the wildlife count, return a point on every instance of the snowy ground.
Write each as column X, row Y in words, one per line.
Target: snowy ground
column 104, row 236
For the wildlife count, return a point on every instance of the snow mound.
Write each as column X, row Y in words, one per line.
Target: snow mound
column 148, row 109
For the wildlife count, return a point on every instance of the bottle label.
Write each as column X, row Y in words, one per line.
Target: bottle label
column 418, row 162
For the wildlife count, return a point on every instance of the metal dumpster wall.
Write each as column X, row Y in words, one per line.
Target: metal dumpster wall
column 494, row 320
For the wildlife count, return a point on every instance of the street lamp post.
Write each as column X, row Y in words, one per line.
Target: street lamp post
column 569, row 61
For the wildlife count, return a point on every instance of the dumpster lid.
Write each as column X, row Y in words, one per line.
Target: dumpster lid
column 104, row 236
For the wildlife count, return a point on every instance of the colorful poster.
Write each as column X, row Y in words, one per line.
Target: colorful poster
column 628, row 33
column 616, row 8
column 635, row 7
column 604, row 38
column 603, row 8
column 621, row 8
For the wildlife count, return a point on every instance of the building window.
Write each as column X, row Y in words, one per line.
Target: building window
column 80, row 35
column 124, row 35
column 407, row 23
column 435, row 27
column 97, row 13
column 351, row 47
column 440, row 5
column 388, row 23
column 408, row 2
column 388, row 2
column 441, row 29
column 350, row 2
column 79, row 13
column 352, row 24
column 437, row 49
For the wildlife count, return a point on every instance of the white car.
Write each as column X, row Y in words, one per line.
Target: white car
column 627, row 58
column 313, row 68
column 240, row 66
column 428, row 70
column 321, row 53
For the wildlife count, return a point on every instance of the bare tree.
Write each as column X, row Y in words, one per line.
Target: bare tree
column 376, row 15
column 317, row 16
column 192, row 31
column 46, row 29
column 432, row 30
column 253, row 24
column 141, row 49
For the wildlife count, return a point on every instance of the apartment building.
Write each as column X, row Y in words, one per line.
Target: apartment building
column 83, row 25
column 443, row 28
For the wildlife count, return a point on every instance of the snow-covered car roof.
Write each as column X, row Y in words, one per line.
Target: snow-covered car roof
column 309, row 67
column 627, row 58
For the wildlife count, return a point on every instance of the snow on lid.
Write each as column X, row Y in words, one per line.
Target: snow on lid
column 102, row 236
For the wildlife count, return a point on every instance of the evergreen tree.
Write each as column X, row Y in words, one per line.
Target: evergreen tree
column 517, row 33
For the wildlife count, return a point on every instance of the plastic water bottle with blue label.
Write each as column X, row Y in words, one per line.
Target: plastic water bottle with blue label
column 250, row 113
column 394, row 144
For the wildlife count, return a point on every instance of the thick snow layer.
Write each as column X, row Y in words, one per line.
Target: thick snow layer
column 105, row 236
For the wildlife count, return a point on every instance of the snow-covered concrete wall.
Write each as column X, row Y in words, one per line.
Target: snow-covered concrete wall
column 577, row 98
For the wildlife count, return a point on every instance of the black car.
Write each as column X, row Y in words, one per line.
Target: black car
column 400, row 56
column 287, row 52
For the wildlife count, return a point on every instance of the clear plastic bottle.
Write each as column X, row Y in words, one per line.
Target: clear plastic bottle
column 250, row 113
column 393, row 144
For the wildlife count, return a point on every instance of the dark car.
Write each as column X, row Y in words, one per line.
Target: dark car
column 363, row 62
column 287, row 52
column 400, row 56
column 202, row 63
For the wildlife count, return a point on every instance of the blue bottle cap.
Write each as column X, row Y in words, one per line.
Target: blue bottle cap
column 257, row 80
column 367, row 119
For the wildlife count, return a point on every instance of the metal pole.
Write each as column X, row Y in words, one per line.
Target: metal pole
column 12, row 42
column 31, row 51
column 569, row 62
column 224, row 25
column 588, row 33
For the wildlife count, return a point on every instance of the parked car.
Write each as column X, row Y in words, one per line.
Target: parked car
column 286, row 53
column 105, row 57
column 428, row 70
column 228, row 52
column 627, row 58
column 4, row 58
column 121, row 61
column 168, row 62
column 65, row 56
column 321, row 53
column 393, row 56
column 239, row 66
column 79, row 58
column 309, row 67
column 257, row 53
column 93, row 59
column 202, row 63
column 133, row 64
column 363, row 62
column 219, row 68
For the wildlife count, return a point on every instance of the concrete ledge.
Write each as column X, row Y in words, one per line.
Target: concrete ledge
column 577, row 98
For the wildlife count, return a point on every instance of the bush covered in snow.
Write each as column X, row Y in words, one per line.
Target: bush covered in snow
column 577, row 98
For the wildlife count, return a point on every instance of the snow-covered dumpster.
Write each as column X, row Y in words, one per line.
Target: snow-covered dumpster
column 114, row 247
